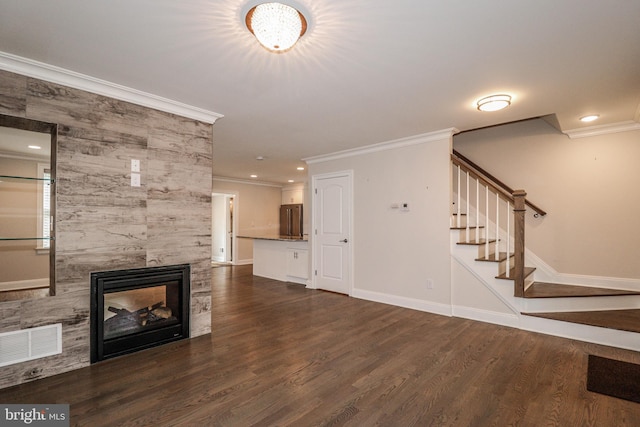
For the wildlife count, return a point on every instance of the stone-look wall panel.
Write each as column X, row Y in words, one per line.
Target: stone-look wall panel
column 13, row 94
column 178, row 162
column 9, row 316
column 74, row 107
column 102, row 223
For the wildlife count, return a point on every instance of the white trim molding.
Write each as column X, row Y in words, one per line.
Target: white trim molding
column 602, row 129
column 399, row 301
column 486, row 316
column 39, row 70
column 383, row 146
column 245, row 181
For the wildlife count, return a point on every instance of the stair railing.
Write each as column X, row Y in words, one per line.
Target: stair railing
column 495, row 181
column 486, row 203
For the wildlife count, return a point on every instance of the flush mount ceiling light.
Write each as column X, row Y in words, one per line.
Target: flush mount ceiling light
column 276, row 26
column 589, row 118
column 494, row 102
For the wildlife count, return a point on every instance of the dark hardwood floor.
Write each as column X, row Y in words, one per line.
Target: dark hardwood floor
column 281, row 354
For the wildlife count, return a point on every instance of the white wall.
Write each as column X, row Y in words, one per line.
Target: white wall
column 588, row 186
column 258, row 209
column 396, row 253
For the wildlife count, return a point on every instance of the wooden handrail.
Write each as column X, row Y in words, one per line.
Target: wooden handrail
column 490, row 180
column 488, row 183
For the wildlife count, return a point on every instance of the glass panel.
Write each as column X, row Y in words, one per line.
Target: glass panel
column 138, row 310
column 26, row 208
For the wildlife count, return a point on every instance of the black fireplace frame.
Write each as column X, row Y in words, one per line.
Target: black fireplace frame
column 136, row 278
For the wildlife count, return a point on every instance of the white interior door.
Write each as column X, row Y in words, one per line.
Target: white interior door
column 224, row 207
column 229, row 216
column 218, row 228
column 332, row 232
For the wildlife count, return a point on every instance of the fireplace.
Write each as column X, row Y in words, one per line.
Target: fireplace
column 138, row 308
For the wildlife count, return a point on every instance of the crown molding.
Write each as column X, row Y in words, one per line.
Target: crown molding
column 602, row 129
column 384, row 146
column 39, row 70
column 246, row 181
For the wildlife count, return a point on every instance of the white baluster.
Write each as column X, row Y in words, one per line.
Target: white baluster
column 486, row 223
column 458, row 210
column 477, row 209
column 467, row 208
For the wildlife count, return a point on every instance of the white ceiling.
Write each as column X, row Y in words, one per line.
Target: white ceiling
column 365, row 72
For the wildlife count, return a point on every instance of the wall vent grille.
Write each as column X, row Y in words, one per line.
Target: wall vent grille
column 29, row 344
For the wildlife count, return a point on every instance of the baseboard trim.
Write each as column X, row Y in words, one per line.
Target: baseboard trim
column 412, row 303
column 503, row 319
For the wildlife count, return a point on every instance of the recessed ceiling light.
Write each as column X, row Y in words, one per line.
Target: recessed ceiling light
column 34, row 147
column 260, row 158
column 290, row 180
column 276, row 26
column 300, row 168
column 494, row 102
column 254, row 176
column 589, row 118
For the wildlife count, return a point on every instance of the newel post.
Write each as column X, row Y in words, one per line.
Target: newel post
column 518, row 241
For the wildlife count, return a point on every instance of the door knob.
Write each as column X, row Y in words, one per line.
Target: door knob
column 344, row 241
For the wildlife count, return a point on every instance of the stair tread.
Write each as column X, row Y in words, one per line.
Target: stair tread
column 477, row 242
column 527, row 271
column 502, row 256
column 623, row 320
column 464, row 228
column 557, row 290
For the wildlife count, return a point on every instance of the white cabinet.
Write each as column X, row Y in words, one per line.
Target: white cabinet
column 284, row 260
column 298, row 263
column 292, row 196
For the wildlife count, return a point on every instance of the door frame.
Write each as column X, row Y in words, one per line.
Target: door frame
column 315, row 219
column 234, row 226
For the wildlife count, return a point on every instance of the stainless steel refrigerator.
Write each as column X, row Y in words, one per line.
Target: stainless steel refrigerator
column 291, row 220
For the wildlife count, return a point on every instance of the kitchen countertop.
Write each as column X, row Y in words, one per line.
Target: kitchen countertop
column 277, row 237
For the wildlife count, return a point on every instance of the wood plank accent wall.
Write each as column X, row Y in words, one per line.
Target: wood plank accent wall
column 102, row 223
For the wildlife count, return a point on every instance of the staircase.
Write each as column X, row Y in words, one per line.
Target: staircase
column 487, row 239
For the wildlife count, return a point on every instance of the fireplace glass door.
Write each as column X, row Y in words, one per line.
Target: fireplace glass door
column 138, row 310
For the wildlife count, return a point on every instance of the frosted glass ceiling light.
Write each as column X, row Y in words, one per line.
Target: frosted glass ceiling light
column 494, row 102
column 276, row 26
